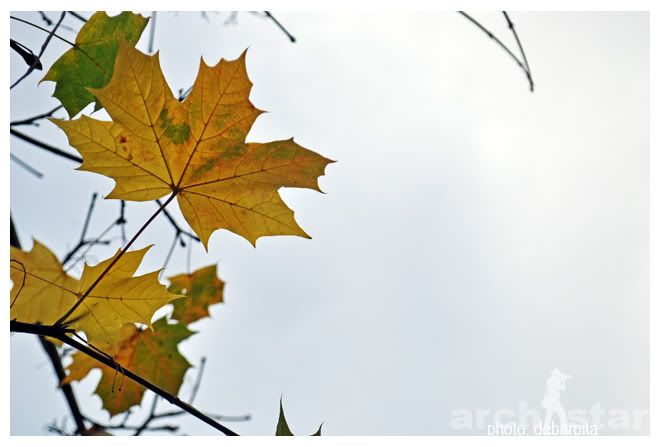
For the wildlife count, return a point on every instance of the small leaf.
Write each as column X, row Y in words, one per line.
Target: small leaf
column 90, row 63
column 156, row 145
column 283, row 427
column 202, row 288
column 154, row 355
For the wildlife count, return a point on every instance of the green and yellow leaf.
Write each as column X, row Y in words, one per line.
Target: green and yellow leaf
column 201, row 288
column 90, row 63
column 195, row 149
column 153, row 355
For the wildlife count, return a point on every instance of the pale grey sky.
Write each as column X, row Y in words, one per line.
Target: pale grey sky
column 472, row 237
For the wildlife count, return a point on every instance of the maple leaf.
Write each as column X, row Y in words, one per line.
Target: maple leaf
column 90, row 63
column 202, row 288
column 154, row 355
column 119, row 297
column 194, row 149
column 283, row 427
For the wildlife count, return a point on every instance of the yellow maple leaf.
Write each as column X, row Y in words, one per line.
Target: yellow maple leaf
column 194, row 149
column 42, row 290
column 43, row 293
column 154, row 355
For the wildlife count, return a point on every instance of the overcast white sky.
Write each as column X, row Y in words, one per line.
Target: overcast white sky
column 473, row 236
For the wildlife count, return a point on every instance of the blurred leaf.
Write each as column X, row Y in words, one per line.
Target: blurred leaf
column 283, row 426
column 202, row 288
column 90, row 63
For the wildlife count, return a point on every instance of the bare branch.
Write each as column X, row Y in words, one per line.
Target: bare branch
column 26, row 53
column 528, row 70
column 77, row 16
column 47, row 147
column 152, row 32
column 176, row 226
column 25, row 166
column 33, row 119
column 66, row 388
column 43, row 48
column 280, row 26
column 83, row 241
column 58, row 333
column 502, row 45
column 43, row 29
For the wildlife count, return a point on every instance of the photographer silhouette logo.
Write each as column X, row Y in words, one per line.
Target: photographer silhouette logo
column 551, row 419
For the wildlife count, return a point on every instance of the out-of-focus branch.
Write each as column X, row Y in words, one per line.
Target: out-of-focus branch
column 25, row 166
column 77, row 16
column 84, row 241
column 67, row 390
column 33, row 119
column 152, row 32
column 280, row 26
column 45, row 146
column 43, row 48
column 28, row 56
column 176, row 226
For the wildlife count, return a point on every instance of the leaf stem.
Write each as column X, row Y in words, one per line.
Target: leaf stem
column 62, row 319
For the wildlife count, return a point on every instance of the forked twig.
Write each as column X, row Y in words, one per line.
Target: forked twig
column 524, row 66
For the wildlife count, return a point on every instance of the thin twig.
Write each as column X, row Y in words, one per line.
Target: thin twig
column 170, row 252
column 78, row 16
column 152, row 32
column 25, row 166
column 67, row 390
column 280, row 26
column 45, row 18
column 47, row 147
column 60, row 334
column 18, row 19
column 28, row 56
column 528, row 71
column 149, row 418
column 43, row 48
column 32, row 119
column 176, row 226
column 198, row 380
column 93, row 242
column 121, row 221
column 83, row 235
column 500, row 43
